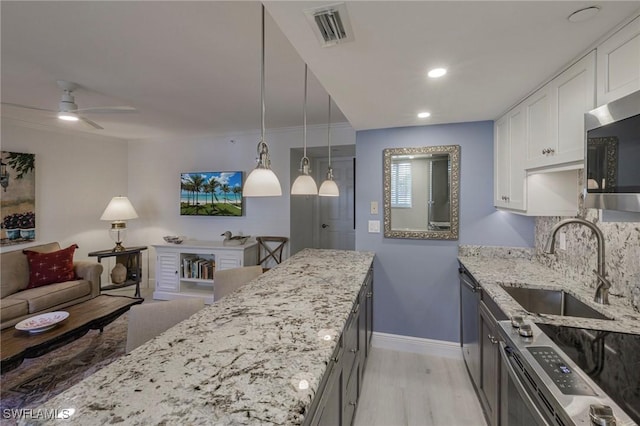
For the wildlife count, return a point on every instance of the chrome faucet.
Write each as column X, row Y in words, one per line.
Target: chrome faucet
column 602, row 289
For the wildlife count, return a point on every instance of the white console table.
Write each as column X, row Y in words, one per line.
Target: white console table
column 187, row 269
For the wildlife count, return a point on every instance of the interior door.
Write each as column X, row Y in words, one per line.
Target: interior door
column 336, row 228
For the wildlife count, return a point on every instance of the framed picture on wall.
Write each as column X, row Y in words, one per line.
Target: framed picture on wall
column 211, row 194
column 18, row 200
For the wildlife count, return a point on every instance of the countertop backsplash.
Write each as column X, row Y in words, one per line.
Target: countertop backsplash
column 496, row 252
column 622, row 252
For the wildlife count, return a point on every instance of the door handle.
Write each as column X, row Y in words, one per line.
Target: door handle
column 324, row 225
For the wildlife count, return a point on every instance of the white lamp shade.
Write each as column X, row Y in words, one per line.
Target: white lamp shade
column 119, row 208
column 262, row 182
column 304, row 185
column 329, row 189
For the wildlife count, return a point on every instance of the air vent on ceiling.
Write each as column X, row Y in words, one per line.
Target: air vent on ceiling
column 330, row 24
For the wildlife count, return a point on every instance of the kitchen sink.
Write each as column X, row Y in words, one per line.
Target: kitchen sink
column 554, row 302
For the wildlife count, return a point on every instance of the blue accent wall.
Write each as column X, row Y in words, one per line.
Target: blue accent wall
column 416, row 281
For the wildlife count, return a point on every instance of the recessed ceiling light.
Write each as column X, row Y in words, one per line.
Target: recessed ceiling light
column 437, row 72
column 424, row 114
column 584, row 14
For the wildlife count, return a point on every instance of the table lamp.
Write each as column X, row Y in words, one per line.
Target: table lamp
column 118, row 211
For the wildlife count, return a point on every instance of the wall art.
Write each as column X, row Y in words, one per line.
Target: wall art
column 211, row 194
column 17, row 197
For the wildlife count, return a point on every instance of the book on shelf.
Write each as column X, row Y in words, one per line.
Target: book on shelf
column 195, row 267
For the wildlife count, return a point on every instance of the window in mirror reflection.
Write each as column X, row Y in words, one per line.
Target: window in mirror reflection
column 401, row 184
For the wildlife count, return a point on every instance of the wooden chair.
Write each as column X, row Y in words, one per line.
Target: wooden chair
column 266, row 252
column 229, row 280
column 148, row 320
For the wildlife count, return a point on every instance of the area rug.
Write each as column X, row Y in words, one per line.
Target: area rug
column 37, row 380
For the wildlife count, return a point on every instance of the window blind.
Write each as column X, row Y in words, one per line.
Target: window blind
column 401, row 184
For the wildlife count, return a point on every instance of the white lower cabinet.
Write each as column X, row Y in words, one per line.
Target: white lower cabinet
column 618, row 63
column 188, row 270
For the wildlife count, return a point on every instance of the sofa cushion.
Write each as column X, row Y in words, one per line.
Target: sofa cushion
column 14, row 273
column 13, row 308
column 41, row 298
column 48, row 268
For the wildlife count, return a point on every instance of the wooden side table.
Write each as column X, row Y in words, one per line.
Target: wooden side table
column 131, row 258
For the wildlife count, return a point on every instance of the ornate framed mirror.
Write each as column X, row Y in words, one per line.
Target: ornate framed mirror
column 421, row 192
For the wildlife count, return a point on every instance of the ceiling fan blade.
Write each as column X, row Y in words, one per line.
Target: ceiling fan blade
column 91, row 123
column 27, row 107
column 103, row 110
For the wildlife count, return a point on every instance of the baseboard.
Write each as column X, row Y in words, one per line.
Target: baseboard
column 416, row 345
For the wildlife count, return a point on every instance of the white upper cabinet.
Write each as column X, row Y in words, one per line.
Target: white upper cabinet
column 555, row 117
column 509, row 173
column 619, row 63
column 539, row 142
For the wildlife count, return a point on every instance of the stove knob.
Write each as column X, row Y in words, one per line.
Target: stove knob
column 601, row 415
column 517, row 321
column 525, row 330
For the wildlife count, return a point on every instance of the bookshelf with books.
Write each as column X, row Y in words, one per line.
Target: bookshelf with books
column 188, row 269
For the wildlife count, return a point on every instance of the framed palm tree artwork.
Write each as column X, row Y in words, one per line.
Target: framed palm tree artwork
column 211, row 194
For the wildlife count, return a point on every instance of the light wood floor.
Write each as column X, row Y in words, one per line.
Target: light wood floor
column 402, row 388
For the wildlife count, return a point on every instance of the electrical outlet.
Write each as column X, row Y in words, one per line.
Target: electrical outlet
column 374, row 226
column 374, row 207
column 562, row 241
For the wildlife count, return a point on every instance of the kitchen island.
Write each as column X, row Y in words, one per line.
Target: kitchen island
column 257, row 356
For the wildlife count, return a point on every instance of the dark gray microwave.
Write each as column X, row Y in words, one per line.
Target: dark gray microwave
column 612, row 155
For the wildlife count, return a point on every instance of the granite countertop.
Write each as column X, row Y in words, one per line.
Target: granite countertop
column 519, row 268
column 239, row 361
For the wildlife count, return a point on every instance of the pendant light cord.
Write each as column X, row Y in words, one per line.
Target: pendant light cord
column 329, row 131
column 304, row 111
column 262, row 77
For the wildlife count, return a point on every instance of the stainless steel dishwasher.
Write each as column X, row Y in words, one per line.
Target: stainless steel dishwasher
column 469, row 323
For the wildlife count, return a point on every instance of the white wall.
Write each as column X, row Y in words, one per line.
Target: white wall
column 154, row 182
column 76, row 176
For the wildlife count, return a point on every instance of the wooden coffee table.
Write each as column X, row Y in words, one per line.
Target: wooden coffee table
column 93, row 314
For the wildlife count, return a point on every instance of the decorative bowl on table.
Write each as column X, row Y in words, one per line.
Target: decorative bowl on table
column 42, row 322
column 174, row 239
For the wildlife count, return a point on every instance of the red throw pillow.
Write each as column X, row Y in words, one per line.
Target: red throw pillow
column 49, row 268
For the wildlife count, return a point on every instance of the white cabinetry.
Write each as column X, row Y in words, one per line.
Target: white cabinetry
column 509, row 173
column 555, row 117
column 187, row 270
column 539, row 144
column 619, row 63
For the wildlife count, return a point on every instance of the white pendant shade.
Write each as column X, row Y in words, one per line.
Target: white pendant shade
column 304, row 185
column 329, row 189
column 262, row 182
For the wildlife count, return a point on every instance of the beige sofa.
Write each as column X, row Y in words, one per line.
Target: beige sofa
column 17, row 302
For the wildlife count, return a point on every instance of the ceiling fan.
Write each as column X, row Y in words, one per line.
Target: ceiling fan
column 68, row 109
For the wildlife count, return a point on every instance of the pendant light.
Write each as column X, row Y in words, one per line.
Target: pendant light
column 262, row 181
column 304, row 184
column 329, row 187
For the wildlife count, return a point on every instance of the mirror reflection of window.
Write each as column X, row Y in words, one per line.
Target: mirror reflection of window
column 401, row 184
